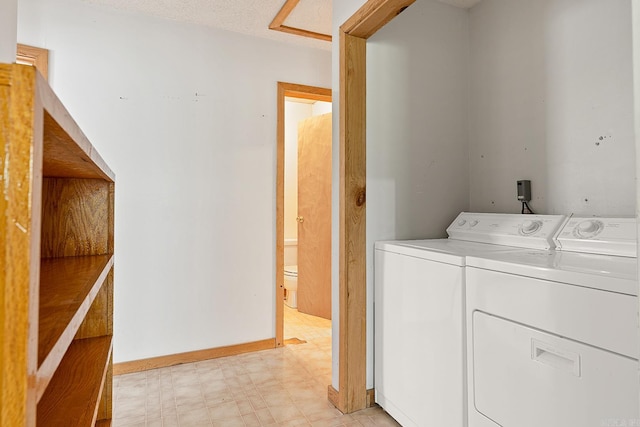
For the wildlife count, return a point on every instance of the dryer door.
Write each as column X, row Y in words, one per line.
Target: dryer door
column 523, row 377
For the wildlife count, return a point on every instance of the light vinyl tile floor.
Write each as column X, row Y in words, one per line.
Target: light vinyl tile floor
column 280, row 387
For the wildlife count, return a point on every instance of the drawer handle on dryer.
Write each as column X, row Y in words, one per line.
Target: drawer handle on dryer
column 555, row 357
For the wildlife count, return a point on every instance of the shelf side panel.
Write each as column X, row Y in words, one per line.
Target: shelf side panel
column 75, row 217
column 20, row 162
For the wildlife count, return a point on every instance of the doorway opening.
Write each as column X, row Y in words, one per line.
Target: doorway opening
column 303, row 214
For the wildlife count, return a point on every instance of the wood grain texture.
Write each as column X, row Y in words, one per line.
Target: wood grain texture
column 303, row 33
column 67, row 150
column 295, row 91
column 20, row 182
column 68, row 289
column 63, row 158
column 98, row 320
column 278, row 23
column 105, row 408
column 372, row 16
column 191, row 356
column 76, row 217
column 74, row 392
column 314, row 207
column 34, row 56
column 38, row 317
column 283, row 13
column 352, row 286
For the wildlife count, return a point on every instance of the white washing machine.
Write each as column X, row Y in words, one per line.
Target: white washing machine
column 420, row 356
column 552, row 337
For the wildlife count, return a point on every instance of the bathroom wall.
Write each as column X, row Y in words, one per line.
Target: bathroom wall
column 186, row 117
column 552, row 101
column 8, row 30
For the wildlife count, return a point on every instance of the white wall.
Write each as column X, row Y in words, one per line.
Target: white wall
column 8, row 30
column 186, row 117
column 416, row 130
column 548, row 79
column 417, row 150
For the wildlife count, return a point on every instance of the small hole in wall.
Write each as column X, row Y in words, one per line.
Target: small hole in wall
column 586, row 200
column 493, row 203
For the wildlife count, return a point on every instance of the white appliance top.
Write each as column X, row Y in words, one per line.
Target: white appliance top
column 605, row 272
column 523, row 231
column 448, row 251
column 611, row 236
column 480, row 233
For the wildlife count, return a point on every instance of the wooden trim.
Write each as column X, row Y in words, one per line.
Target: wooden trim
column 352, row 285
column 352, row 393
column 191, row 356
column 34, row 56
column 372, row 16
column 334, row 397
column 278, row 23
column 294, row 91
column 371, row 397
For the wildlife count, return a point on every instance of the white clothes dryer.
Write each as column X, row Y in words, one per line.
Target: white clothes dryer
column 552, row 337
column 420, row 355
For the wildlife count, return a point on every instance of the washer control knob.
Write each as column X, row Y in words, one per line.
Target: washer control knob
column 529, row 226
column 462, row 222
column 473, row 223
column 588, row 226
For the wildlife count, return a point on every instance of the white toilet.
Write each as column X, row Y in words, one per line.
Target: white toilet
column 291, row 285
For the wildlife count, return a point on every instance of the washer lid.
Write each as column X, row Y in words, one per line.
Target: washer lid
column 523, row 231
column 291, row 270
column 612, row 236
column 448, row 251
column 605, row 272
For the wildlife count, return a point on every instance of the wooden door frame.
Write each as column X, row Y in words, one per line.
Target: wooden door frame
column 294, row 91
column 352, row 394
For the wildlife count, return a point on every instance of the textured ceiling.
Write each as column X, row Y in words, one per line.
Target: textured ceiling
column 467, row 4
column 247, row 16
column 243, row 16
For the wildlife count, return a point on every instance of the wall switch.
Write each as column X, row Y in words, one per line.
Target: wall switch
column 524, row 190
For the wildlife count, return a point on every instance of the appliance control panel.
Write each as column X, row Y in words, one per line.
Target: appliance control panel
column 607, row 236
column 526, row 231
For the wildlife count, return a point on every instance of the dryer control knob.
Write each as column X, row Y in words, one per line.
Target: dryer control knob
column 462, row 222
column 529, row 226
column 588, row 226
column 473, row 223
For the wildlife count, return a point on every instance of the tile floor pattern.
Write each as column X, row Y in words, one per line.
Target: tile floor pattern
column 279, row 387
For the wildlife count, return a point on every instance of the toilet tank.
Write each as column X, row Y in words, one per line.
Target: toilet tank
column 290, row 251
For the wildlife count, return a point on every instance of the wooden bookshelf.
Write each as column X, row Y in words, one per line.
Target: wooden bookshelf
column 72, row 398
column 56, row 263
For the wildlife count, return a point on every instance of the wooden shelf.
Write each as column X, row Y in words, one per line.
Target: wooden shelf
column 72, row 396
column 68, row 287
column 57, row 220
